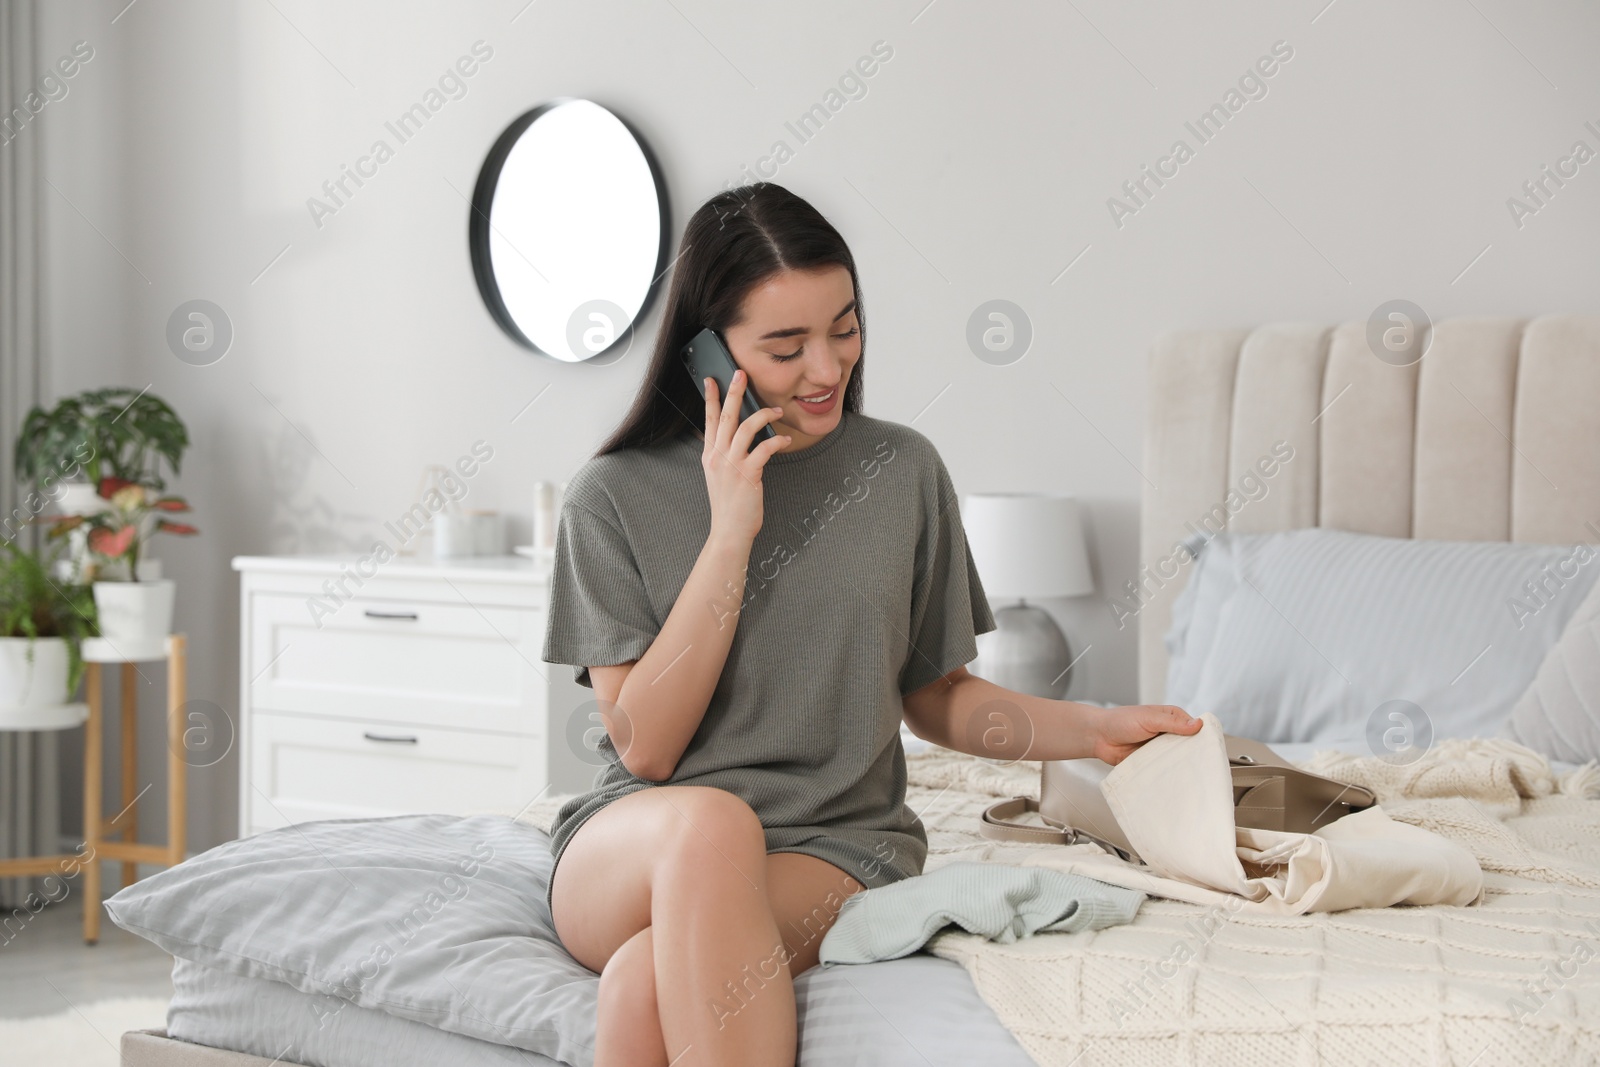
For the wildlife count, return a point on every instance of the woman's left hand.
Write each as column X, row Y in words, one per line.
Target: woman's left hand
column 1124, row 729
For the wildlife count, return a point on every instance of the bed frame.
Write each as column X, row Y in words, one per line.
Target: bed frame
column 1494, row 435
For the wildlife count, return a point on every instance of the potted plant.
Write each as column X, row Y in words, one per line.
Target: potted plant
column 114, row 432
column 42, row 627
column 134, row 610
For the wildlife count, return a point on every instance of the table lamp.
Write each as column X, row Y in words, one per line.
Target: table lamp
column 1027, row 545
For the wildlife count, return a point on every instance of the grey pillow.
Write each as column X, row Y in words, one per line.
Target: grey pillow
column 436, row 918
column 1559, row 715
column 1325, row 635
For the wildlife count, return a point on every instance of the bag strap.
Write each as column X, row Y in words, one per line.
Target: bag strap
column 995, row 827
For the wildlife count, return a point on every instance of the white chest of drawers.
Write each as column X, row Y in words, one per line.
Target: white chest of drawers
column 414, row 685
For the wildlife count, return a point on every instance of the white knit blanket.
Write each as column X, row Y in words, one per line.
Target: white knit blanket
column 1513, row 980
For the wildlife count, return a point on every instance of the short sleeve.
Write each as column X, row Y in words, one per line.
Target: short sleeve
column 600, row 611
column 948, row 605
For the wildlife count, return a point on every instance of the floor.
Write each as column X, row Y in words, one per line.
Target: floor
column 45, row 968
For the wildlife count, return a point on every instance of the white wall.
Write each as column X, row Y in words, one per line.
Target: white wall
column 977, row 166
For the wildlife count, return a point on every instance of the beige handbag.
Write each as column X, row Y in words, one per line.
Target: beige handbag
column 1269, row 793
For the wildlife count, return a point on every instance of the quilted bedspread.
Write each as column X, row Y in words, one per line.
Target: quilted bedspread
column 1514, row 979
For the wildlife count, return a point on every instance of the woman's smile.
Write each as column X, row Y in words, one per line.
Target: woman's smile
column 820, row 404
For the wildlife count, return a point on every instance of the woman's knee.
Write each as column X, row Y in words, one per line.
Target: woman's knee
column 625, row 853
column 707, row 817
column 710, row 830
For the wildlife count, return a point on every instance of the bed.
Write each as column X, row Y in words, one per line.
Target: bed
column 1491, row 437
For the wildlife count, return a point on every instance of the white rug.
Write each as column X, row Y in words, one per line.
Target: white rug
column 89, row 1035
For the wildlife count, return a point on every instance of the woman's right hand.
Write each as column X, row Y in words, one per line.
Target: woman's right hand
column 733, row 469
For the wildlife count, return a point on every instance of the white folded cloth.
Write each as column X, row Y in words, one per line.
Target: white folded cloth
column 1173, row 797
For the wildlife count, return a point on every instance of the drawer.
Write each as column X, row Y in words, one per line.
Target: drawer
column 318, row 768
column 420, row 662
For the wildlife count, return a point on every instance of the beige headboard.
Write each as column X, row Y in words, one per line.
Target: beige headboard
column 1493, row 435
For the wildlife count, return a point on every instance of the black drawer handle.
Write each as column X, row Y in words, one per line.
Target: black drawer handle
column 391, row 740
column 391, row 615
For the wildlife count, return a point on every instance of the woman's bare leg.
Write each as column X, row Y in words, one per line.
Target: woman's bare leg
column 806, row 894
column 628, row 1019
column 689, row 861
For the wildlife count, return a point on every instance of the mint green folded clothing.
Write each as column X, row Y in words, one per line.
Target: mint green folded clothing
column 994, row 900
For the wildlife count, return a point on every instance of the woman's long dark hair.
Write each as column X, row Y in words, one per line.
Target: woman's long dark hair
column 734, row 242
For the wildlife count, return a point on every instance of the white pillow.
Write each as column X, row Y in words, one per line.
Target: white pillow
column 1303, row 635
column 1559, row 715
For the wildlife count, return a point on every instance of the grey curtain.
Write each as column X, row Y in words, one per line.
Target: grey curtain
column 29, row 762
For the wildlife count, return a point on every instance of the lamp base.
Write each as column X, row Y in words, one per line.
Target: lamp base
column 1027, row 652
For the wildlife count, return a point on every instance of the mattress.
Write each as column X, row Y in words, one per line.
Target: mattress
column 916, row 1012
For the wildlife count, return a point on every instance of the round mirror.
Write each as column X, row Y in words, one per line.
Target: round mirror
column 568, row 230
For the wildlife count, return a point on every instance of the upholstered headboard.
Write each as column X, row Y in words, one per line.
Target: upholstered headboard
column 1493, row 435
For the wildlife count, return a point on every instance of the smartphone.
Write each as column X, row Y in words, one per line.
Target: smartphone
column 705, row 356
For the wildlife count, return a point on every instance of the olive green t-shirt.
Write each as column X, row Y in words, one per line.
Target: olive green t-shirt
column 859, row 590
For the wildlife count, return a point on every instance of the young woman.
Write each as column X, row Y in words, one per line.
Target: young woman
column 755, row 623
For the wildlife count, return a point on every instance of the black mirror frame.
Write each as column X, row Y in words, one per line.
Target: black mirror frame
column 478, row 225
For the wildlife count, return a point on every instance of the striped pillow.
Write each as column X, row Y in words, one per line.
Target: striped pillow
column 1328, row 636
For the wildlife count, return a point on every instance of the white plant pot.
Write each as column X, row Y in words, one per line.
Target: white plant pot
column 80, row 498
column 116, row 570
column 135, row 613
column 40, row 684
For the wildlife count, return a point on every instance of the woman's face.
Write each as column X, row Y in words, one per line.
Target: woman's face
column 799, row 339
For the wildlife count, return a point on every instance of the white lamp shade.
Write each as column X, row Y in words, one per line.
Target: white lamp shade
column 1028, row 545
